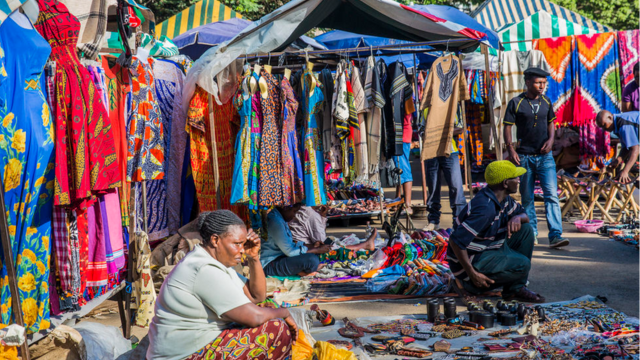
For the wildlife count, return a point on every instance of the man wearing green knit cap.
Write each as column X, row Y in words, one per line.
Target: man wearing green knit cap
column 492, row 241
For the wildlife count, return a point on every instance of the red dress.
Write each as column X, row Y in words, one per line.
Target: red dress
column 85, row 152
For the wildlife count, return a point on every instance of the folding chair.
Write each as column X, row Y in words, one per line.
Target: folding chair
column 629, row 203
column 598, row 188
column 573, row 187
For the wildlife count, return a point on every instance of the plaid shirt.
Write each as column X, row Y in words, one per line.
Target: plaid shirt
column 61, row 248
column 481, row 225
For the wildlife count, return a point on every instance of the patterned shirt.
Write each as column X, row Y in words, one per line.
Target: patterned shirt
column 481, row 225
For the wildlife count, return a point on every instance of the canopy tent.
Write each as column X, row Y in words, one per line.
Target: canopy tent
column 385, row 18
column 196, row 41
column 200, row 13
column 496, row 14
column 540, row 25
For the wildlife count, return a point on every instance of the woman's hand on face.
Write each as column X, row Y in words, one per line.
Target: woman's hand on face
column 252, row 245
column 292, row 327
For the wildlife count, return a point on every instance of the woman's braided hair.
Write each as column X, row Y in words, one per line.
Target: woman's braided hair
column 217, row 223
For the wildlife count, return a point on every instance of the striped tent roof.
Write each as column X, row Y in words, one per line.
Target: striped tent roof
column 540, row 25
column 495, row 14
column 200, row 13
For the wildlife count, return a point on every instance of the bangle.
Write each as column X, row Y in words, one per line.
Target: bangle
column 509, row 144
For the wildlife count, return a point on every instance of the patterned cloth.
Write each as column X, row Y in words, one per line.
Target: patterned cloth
column 256, row 141
column 314, row 187
column 145, row 292
column 561, row 57
column 145, row 134
column 598, row 87
column 97, row 256
column 92, row 15
column 61, row 247
column 271, row 340
column 292, row 181
column 26, row 166
column 169, row 83
column 270, row 180
column 118, row 88
column 85, row 159
column 242, row 164
column 158, row 48
column 475, row 118
column 629, row 44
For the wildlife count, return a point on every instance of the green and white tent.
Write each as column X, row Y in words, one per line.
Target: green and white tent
column 540, row 25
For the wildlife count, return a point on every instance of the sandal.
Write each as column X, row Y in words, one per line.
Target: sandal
column 526, row 295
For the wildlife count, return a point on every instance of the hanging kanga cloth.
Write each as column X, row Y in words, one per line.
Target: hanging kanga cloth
column 85, row 152
column 339, row 157
column 314, row 188
column 97, row 76
column 445, row 88
column 377, row 102
column 629, row 43
column 145, row 291
column 328, row 126
column 292, row 180
column 145, row 131
column 351, row 175
column 242, row 163
column 118, row 89
column 97, row 256
column 598, row 87
column 475, row 117
column 270, row 181
column 26, row 165
column 115, row 240
column 401, row 94
column 360, row 134
column 560, row 54
column 82, row 233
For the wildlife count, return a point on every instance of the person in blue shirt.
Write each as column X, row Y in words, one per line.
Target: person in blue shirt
column 625, row 127
column 280, row 255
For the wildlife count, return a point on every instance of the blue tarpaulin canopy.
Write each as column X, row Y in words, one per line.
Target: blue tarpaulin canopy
column 196, row 41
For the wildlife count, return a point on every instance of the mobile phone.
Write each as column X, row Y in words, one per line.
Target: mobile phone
column 328, row 242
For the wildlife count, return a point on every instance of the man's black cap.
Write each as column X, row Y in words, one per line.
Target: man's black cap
column 535, row 72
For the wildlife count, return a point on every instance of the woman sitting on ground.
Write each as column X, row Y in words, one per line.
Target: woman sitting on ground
column 205, row 310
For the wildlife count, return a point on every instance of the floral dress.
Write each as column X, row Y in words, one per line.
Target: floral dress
column 270, row 181
column 27, row 167
column 292, row 181
column 314, row 188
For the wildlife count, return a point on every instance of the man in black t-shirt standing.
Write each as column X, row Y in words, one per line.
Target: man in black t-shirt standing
column 533, row 115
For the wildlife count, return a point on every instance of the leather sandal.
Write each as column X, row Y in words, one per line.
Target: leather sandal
column 526, row 295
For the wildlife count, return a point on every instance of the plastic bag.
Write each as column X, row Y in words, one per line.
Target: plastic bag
column 375, row 261
column 325, row 351
column 102, row 342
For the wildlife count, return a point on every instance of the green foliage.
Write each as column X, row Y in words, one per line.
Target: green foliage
column 617, row 14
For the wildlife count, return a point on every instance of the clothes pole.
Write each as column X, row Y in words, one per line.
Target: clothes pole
column 11, row 273
column 467, row 157
column 494, row 130
column 415, row 103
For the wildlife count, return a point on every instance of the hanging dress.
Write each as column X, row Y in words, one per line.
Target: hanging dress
column 292, row 181
column 314, row 189
column 256, row 142
column 270, row 181
column 242, row 164
column 144, row 134
column 26, row 164
column 85, row 152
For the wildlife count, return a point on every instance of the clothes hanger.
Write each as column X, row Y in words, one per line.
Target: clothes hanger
column 267, row 67
column 262, row 83
column 253, row 83
column 310, row 68
column 446, row 52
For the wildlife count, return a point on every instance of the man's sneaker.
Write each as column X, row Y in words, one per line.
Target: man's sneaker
column 432, row 227
column 558, row 242
column 535, row 239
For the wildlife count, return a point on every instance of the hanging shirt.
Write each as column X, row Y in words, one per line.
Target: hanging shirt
column 531, row 117
column 626, row 128
column 445, row 88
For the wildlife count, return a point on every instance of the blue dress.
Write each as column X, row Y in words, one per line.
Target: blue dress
column 314, row 188
column 242, row 164
column 27, row 167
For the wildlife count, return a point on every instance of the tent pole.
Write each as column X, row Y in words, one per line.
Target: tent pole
column 467, row 156
column 415, row 102
column 11, row 273
column 498, row 142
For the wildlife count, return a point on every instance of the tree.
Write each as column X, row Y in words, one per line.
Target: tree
column 617, row 14
column 164, row 9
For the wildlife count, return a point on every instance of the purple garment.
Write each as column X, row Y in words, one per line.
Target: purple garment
column 97, row 267
column 631, row 93
column 111, row 266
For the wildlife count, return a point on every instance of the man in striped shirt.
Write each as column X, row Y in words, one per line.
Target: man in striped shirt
column 492, row 241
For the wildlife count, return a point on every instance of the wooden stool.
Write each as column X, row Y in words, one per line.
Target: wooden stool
column 598, row 188
column 629, row 202
column 573, row 187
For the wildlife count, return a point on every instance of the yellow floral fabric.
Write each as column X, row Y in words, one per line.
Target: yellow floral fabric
column 26, row 166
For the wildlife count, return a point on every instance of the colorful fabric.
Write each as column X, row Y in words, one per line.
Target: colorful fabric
column 97, row 256
column 256, row 141
column 314, row 187
column 292, row 181
column 26, row 166
column 169, row 80
column 475, row 117
column 61, row 247
column 629, row 44
column 118, row 88
column 242, row 163
column 158, row 48
column 115, row 240
column 270, row 180
column 271, row 340
column 85, row 159
column 598, row 87
column 560, row 54
column 145, row 292
column 145, row 134
column 343, row 254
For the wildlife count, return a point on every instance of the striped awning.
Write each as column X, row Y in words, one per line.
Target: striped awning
column 7, row 7
column 495, row 14
column 200, row 13
column 540, row 25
